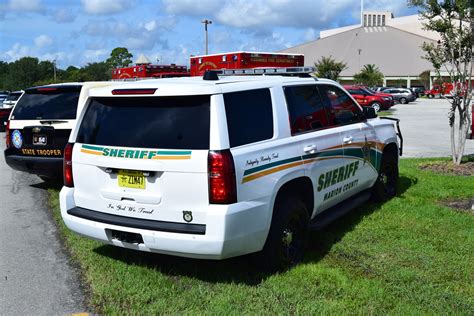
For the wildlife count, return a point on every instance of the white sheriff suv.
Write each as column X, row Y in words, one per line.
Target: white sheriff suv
column 220, row 166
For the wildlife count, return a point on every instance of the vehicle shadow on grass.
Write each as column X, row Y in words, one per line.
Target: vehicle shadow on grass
column 241, row 270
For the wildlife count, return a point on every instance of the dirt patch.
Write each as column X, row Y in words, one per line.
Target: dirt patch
column 449, row 168
column 463, row 205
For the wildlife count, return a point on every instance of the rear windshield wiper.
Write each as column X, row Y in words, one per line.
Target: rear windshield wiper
column 51, row 122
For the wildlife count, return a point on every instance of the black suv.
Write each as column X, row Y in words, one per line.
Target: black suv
column 39, row 128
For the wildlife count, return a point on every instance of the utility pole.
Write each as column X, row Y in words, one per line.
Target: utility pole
column 206, row 22
column 54, row 70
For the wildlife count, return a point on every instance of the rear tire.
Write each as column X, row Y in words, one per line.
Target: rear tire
column 386, row 185
column 430, row 96
column 288, row 236
column 403, row 101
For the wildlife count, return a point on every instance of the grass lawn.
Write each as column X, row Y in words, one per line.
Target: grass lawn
column 407, row 256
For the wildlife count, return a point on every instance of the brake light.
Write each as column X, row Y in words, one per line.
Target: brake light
column 133, row 91
column 46, row 89
column 221, row 173
column 7, row 135
column 67, row 165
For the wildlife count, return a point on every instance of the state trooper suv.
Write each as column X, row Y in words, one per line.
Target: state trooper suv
column 223, row 166
column 39, row 126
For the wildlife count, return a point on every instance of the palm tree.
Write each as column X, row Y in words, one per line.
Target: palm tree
column 328, row 67
column 370, row 75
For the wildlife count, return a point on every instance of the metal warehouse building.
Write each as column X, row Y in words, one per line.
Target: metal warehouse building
column 392, row 44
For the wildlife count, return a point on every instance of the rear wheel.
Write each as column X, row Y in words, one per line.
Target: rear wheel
column 387, row 181
column 288, row 237
column 403, row 101
column 430, row 96
column 376, row 106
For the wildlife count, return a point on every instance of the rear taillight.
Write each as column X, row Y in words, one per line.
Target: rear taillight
column 67, row 164
column 221, row 173
column 7, row 134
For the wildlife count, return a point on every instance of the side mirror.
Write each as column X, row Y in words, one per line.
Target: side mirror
column 369, row 112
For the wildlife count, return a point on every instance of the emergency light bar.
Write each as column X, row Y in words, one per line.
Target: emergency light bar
column 265, row 71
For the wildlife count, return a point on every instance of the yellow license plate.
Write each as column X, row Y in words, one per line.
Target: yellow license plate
column 131, row 179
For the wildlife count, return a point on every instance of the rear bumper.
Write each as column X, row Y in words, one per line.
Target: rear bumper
column 43, row 166
column 229, row 231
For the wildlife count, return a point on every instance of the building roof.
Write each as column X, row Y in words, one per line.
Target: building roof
column 396, row 52
column 142, row 60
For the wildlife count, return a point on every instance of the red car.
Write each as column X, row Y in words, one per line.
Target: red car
column 367, row 97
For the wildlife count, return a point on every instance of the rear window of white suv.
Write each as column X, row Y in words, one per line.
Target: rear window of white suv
column 147, row 122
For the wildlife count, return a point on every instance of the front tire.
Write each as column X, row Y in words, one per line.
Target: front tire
column 288, row 236
column 386, row 185
column 403, row 101
column 376, row 106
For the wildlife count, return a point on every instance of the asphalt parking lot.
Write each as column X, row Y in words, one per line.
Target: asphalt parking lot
column 425, row 128
column 36, row 277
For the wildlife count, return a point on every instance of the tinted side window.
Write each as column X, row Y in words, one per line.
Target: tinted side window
column 148, row 122
column 53, row 104
column 306, row 109
column 249, row 116
column 342, row 110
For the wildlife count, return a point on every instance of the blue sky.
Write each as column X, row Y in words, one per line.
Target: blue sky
column 77, row 32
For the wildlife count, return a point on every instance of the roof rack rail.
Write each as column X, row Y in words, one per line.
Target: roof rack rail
column 265, row 71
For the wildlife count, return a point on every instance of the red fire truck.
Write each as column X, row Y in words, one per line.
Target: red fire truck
column 150, row 71
column 239, row 60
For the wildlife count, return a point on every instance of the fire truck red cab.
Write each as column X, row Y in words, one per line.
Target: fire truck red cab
column 240, row 60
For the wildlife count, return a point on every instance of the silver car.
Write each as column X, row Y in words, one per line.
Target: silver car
column 401, row 95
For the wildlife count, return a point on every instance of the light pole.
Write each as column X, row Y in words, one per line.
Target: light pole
column 206, row 22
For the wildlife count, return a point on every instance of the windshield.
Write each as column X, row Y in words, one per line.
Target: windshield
column 48, row 103
column 147, row 122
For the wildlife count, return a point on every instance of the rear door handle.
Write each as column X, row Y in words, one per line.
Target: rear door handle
column 310, row 149
column 347, row 139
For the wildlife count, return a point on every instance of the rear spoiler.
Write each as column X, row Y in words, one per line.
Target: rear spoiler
column 399, row 132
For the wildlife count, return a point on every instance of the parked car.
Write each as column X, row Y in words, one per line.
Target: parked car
column 12, row 99
column 418, row 91
column 401, row 95
column 219, row 167
column 39, row 127
column 3, row 96
column 367, row 97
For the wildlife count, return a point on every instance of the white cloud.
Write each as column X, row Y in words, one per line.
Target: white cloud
column 104, row 7
column 16, row 52
column 192, row 7
column 95, row 55
column 150, row 26
column 25, row 5
column 64, row 16
column 43, row 41
column 310, row 34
